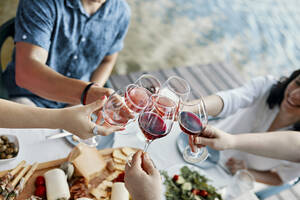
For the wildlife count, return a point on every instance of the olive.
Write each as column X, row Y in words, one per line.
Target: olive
column 2, row 155
column 3, row 148
column 4, row 138
column 9, row 150
column 11, row 144
column 9, row 156
column 16, row 150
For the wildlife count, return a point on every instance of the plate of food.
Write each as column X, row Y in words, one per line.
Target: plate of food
column 186, row 182
column 86, row 174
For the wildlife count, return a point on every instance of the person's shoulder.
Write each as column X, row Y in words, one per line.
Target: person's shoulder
column 122, row 6
column 264, row 80
column 40, row 5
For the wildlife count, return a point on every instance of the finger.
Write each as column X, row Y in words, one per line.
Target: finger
column 204, row 141
column 191, row 143
column 136, row 161
column 99, row 117
column 147, row 164
column 96, row 105
column 105, row 130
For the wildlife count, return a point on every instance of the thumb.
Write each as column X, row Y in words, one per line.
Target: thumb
column 204, row 141
column 147, row 164
column 97, row 104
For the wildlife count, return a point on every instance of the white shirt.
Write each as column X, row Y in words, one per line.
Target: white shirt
column 246, row 111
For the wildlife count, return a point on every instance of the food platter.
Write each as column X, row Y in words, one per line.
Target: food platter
column 175, row 170
column 114, row 160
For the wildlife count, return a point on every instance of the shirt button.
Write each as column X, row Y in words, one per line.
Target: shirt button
column 68, row 73
column 75, row 57
column 24, row 37
column 83, row 39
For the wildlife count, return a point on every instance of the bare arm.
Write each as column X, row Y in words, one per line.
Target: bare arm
column 33, row 74
column 213, row 103
column 102, row 73
column 279, row 145
column 73, row 119
column 283, row 145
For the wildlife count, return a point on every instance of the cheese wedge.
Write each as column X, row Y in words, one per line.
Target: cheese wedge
column 87, row 161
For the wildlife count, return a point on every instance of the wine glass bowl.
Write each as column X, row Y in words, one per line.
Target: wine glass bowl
column 151, row 83
column 176, row 88
column 153, row 122
column 192, row 119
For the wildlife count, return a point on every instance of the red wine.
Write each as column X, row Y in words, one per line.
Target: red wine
column 136, row 98
column 152, row 125
column 190, row 123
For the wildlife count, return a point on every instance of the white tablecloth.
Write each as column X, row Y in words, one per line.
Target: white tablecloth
column 35, row 148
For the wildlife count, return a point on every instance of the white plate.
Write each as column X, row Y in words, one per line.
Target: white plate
column 176, row 170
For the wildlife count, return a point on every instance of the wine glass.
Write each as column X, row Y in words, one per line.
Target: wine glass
column 157, row 119
column 192, row 119
column 151, row 83
column 175, row 88
column 123, row 106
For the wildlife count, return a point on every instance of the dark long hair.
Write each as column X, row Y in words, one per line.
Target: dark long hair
column 277, row 93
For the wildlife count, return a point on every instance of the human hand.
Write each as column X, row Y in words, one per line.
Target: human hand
column 214, row 138
column 77, row 120
column 142, row 179
column 234, row 165
column 96, row 92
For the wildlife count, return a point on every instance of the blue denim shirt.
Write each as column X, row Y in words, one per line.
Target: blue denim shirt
column 76, row 42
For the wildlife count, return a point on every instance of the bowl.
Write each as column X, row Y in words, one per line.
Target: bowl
column 11, row 139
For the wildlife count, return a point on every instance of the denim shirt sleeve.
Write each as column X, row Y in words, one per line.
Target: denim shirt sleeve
column 118, row 43
column 34, row 22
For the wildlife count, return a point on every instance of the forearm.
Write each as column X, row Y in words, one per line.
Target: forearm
column 15, row 115
column 266, row 177
column 45, row 82
column 213, row 104
column 102, row 73
column 279, row 145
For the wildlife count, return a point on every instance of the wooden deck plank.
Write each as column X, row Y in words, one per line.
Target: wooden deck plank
column 224, row 77
column 135, row 75
column 158, row 74
column 203, row 79
column 196, row 87
column 214, row 78
column 234, row 74
column 173, row 72
column 119, row 81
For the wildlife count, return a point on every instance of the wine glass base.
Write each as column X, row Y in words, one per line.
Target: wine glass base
column 191, row 157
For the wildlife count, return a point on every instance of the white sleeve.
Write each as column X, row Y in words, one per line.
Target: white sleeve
column 288, row 171
column 244, row 96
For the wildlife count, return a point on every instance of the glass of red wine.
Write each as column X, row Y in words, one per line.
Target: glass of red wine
column 157, row 119
column 151, row 83
column 192, row 119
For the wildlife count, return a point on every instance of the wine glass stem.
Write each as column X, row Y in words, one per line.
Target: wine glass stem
column 147, row 143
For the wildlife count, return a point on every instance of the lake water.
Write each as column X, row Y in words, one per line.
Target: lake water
column 258, row 36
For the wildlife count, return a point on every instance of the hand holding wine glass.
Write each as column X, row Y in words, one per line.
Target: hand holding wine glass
column 192, row 119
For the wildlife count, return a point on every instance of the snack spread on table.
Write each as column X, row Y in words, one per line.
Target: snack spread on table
column 87, row 174
column 189, row 185
column 8, row 149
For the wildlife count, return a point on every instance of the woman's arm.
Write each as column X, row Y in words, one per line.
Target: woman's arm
column 73, row 119
column 283, row 145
